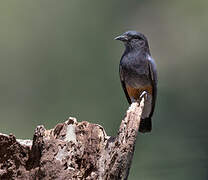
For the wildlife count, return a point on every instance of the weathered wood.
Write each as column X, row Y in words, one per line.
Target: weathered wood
column 72, row 150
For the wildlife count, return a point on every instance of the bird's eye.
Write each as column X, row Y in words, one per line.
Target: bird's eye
column 137, row 37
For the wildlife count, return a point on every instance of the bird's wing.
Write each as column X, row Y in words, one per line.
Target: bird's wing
column 124, row 85
column 153, row 74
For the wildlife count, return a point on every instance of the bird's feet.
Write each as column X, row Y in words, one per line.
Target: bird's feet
column 143, row 94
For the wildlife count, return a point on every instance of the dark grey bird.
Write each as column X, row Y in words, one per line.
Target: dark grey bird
column 138, row 75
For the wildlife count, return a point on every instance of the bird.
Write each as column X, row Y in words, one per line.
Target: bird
column 138, row 75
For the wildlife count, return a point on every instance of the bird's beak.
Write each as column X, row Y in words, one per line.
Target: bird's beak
column 121, row 38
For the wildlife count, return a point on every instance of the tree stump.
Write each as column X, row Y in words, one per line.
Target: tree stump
column 72, row 150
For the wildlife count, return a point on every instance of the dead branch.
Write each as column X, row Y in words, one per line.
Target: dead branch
column 72, row 150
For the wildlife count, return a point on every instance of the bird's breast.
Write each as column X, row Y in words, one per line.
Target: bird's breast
column 135, row 72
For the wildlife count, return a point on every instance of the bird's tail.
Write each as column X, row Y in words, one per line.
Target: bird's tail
column 145, row 125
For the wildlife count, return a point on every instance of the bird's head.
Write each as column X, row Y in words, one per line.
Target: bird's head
column 133, row 40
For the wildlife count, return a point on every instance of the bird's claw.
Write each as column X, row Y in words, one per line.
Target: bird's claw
column 144, row 94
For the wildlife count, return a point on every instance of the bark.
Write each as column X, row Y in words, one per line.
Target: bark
column 72, row 150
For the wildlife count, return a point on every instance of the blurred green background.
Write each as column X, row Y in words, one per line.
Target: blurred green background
column 59, row 59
